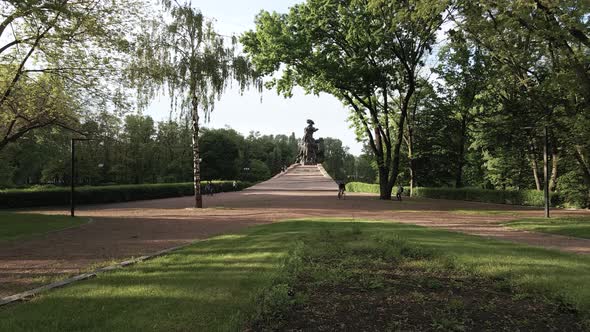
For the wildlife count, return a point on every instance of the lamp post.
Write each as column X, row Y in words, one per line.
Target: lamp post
column 73, row 175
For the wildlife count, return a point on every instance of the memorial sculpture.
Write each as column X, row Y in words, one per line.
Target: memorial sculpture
column 309, row 148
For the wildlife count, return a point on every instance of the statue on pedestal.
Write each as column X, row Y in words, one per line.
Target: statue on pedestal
column 308, row 147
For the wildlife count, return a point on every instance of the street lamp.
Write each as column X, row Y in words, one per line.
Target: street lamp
column 73, row 176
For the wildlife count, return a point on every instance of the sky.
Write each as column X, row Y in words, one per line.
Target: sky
column 271, row 114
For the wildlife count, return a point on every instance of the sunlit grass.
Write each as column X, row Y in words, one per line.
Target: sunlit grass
column 570, row 226
column 17, row 226
column 485, row 212
column 214, row 285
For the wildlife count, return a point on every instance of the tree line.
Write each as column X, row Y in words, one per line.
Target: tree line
column 137, row 150
column 441, row 93
column 445, row 93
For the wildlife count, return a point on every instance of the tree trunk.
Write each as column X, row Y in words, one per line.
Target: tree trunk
column 461, row 156
column 534, row 164
column 196, row 156
column 535, row 167
column 400, row 135
column 384, row 184
column 554, row 162
column 411, row 160
column 584, row 165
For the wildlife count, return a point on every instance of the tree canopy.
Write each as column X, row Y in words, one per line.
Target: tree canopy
column 61, row 60
column 365, row 53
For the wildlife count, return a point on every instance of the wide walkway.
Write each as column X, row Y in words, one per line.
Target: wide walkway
column 124, row 230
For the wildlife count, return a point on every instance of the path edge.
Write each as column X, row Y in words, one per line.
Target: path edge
column 84, row 276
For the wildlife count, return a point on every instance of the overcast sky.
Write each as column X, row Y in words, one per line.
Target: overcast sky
column 274, row 114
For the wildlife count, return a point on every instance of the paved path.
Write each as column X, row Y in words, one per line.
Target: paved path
column 124, row 230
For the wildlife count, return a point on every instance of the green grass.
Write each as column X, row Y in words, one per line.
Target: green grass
column 217, row 284
column 484, row 212
column 571, row 226
column 17, row 226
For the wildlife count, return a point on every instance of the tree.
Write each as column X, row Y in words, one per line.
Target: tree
column 335, row 158
column 429, row 138
column 257, row 171
column 139, row 136
column 221, row 154
column 174, row 156
column 58, row 59
column 193, row 62
column 540, row 51
column 362, row 52
column 462, row 68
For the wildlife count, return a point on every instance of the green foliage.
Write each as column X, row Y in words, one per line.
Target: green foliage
column 572, row 190
column 220, row 154
column 359, row 187
column 360, row 52
column 182, row 54
column 61, row 60
column 41, row 196
column 276, row 151
column 515, row 197
column 258, row 170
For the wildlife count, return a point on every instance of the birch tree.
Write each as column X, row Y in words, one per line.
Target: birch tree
column 187, row 59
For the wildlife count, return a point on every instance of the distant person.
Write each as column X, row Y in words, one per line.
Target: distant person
column 341, row 189
column 400, row 190
column 209, row 188
column 234, row 185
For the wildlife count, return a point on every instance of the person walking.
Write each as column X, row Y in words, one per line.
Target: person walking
column 400, row 190
column 341, row 189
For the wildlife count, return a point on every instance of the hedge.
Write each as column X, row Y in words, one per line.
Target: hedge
column 19, row 198
column 515, row 197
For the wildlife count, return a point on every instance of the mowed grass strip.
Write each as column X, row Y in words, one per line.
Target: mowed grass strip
column 570, row 226
column 348, row 280
column 217, row 284
column 17, row 226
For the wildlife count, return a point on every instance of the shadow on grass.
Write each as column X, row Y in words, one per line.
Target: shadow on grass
column 214, row 284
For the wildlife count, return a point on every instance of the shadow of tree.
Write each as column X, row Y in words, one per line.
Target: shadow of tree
column 214, row 284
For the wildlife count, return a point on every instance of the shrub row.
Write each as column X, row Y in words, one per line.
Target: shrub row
column 516, row 197
column 18, row 198
column 360, row 187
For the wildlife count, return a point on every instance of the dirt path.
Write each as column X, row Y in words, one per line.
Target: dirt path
column 136, row 228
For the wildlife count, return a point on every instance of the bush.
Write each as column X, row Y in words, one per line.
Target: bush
column 515, row 197
column 359, row 187
column 573, row 191
column 18, row 198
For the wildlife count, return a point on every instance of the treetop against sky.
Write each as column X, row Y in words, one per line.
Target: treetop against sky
column 269, row 113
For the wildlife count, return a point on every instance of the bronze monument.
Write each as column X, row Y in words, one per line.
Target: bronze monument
column 309, row 147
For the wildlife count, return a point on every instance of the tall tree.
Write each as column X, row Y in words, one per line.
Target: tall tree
column 194, row 63
column 362, row 52
column 462, row 69
column 541, row 49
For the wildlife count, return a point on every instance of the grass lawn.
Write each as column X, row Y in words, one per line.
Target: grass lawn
column 253, row 279
column 485, row 212
column 15, row 226
column 571, row 226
